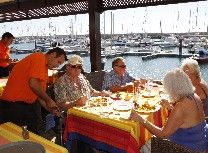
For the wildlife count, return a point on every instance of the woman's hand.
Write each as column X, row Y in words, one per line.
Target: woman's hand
column 136, row 117
column 166, row 104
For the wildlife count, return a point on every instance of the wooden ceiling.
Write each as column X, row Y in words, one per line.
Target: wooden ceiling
column 17, row 10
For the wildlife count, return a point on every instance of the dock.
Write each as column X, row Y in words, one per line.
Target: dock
column 144, row 55
column 148, row 55
column 159, row 55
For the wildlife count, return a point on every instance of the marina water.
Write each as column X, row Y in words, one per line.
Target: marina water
column 154, row 68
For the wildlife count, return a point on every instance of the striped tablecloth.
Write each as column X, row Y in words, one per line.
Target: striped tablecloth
column 10, row 132
column 107, row 134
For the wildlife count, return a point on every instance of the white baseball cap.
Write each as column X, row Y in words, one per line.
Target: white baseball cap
column 75, row 60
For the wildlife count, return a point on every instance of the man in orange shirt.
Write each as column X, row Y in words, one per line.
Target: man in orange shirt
column 5, row 60
column 26, row 84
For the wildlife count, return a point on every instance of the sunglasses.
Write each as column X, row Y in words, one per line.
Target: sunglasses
column 121, row 66
column 76, row 67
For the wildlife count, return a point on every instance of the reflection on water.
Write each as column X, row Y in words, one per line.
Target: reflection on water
column 155, row 68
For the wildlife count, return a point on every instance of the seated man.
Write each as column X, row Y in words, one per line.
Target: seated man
column 117, row 79
column 73, row 89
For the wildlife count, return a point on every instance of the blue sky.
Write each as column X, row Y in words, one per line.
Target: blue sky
column 174, row 18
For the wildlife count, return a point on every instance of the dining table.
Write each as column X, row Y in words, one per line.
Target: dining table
column 106, row 128
column 10, row 133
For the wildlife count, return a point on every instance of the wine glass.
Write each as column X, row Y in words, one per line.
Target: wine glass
column 163, row 95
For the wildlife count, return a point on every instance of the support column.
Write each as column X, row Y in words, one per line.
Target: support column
column 94, row 35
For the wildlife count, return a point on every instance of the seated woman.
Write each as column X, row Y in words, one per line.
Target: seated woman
column 186, row 123
column 192, row 69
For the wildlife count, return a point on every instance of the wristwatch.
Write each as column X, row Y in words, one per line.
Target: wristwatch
column 145, row 121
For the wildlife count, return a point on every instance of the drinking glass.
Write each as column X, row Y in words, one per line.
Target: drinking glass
column 163, row 95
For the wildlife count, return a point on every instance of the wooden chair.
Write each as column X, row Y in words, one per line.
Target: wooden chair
column 22, row 147
column 159, row 145
column 96, row 79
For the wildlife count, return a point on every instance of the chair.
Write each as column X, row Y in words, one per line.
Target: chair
column 96, row 79
column 22, row 147
column 159, row 145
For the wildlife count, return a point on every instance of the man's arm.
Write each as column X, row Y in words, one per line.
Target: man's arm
column 118, row 88
column 35, row 86
column 43, row 104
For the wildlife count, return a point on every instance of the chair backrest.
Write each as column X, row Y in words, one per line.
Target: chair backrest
column 159, row 145
column 96, row 79
column 22, row 147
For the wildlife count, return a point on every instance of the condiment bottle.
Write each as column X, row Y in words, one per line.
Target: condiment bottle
column 25, row 132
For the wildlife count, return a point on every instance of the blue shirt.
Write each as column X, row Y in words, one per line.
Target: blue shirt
column 111, row 79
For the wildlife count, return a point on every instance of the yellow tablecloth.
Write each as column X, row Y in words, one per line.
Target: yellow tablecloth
column 10, row 132
column 126, row 125
column 135, row 129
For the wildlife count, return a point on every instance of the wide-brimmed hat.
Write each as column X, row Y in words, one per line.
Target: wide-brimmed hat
column 75, row 60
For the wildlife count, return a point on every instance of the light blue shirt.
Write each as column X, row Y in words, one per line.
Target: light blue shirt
column 111, row 79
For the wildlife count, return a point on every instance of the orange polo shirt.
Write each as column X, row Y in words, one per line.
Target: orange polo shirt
column 4, row 54
column 17, row 88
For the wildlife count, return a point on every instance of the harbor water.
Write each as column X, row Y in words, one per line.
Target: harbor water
column 153, row 68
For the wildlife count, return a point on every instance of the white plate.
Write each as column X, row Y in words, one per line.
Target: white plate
column 122, row 106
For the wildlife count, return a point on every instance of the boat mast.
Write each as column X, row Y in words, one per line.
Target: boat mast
column 104, row 28
column 161, row 28
column 111, row 30
column 190, row 21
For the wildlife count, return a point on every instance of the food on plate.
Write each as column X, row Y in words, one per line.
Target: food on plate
column 148, row 95
column 148, row 107
column 128, row 97
column 96, row 101
column 122, row 95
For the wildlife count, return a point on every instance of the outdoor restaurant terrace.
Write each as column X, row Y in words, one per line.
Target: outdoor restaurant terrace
column 103, row 123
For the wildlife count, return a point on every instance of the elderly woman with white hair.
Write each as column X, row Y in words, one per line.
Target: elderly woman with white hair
column 186, row 123
column 192, row 69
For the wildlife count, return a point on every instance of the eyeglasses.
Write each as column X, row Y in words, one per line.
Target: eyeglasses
column 121, row 66
column 76, row 67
